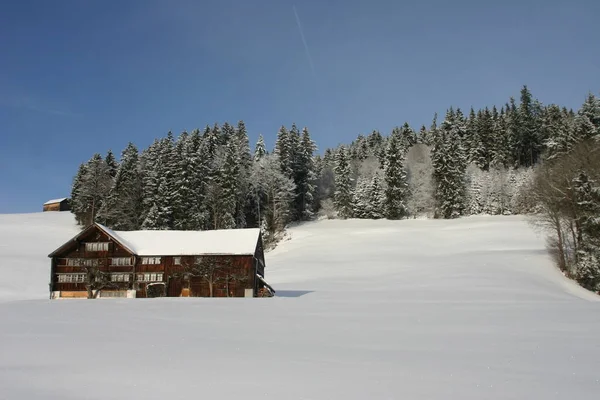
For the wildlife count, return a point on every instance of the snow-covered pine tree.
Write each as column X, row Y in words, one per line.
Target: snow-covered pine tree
column 182, row 188
column 79, row 206
column 483, row 147
column 343, row 196
column 305, row 177
column 587, row 194
column 361, row 199
column 512, row 132
column 260, row 150
column 159, row 178
column 528, row 135
column 557, row 131
column 396, row 185
column 228, row 179
column 243, row 206
column 124, row 205
column 471, row 142
column 591, row 109
column 93, row 189
column 501, row 156
column 375, row 208
column 199, row 172
column 423, row 136
column 408, row 137
column 111, row 162
column 284, row 151
column 449, row 163
column 227, row 133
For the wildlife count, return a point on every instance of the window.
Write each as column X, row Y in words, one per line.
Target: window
column 78, row 262
column 90, row 262
column 150, row 260
column 150, row 277
column 71, row 278
column 177, row 260
column 96, row 246
column 120, row 261
column 119, row 277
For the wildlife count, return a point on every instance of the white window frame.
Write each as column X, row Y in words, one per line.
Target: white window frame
column 120, row 261
column 96, row 246
column 151, row 260
column 119, row 277
column 71, row 278
column 150, row 277
column 176, row 260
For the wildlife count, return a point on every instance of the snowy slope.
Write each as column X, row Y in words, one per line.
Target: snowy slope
column 25, row 242
column 463, row 309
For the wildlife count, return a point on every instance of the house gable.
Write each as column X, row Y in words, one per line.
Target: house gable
column 92, row 234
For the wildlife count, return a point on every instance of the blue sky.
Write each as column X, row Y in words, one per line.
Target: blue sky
column 79, row 77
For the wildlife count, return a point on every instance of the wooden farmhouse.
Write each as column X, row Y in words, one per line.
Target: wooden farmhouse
column 100, row 262
column 57, row 205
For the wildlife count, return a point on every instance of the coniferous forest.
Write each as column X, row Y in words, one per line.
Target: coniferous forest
column 518, row 158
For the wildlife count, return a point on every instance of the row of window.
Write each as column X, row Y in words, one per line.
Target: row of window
column 71, row 278
column 96, row 246
column 80, row 262
column 150, row 277
column 80, row 278
column 115, row 261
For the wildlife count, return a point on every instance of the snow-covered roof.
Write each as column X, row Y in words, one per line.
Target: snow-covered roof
column 55, row 201
column 187, row 243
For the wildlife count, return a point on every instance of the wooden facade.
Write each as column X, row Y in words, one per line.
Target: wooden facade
column 136, row 275
column 57, row 205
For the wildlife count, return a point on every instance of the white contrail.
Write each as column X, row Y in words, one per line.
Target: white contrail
column 310, row 61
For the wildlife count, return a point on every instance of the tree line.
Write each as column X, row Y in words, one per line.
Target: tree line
column 487, row 161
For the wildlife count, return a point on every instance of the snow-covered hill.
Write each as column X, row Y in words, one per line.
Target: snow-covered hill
column 415, row 309
column 25, row 242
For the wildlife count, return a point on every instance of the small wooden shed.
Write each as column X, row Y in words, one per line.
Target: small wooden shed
column 57, row 205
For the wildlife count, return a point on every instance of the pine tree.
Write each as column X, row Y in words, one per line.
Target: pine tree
column 557, row 131
column 375, row 206
column 159, row 184
column 591, row 109
column 228, row 182
column 92, row 190
column 361, row 199
column 395, row 179
column 483, row 147
column 343, row 196
column 501, row 156
column 284, row 151
column 124, row 205
column 305, row 177
column 199, row 172
column 260, row 151
column 528, row 135
column 111, row 162
column 78, row 205
column 407, row 137
column 423, row 136
column 587, row 196
column 472, row 140
column 449, row 163
column 182, row 188
column 243, row 207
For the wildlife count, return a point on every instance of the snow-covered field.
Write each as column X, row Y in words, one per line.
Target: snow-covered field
column 418, row 309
